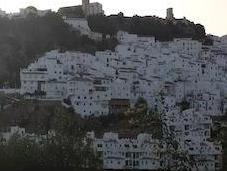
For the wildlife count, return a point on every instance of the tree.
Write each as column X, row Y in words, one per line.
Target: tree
column 19, row 154
column 67, row 148
column 184, row 105
column 175, row 158
column 3, row 101
column 160, row 28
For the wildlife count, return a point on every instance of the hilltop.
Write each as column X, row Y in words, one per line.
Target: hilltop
column 161, row 29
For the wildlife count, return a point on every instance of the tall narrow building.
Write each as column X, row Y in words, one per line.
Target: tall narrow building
column 85, row 6
column 169, row 15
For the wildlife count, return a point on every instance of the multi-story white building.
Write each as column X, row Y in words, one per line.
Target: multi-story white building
column 128, row 152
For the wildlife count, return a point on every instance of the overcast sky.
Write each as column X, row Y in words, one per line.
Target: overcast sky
column 211, row 13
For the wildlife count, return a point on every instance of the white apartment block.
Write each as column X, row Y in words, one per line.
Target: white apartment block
column 128, row 152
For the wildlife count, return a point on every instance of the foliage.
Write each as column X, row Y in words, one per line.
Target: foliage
column 219, row 133
column 3, row 101
column 224, row 144
column 141, row 101
column 18, row 154
column 64, row 150
column 180, row 160
column 184, row 105
column 208, row 41
column 148, row 121
column 162, row 29
column 177, row 159
column 139, row 111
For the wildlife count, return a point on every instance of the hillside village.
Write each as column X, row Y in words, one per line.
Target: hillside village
column 183, row 80
column 111, row 82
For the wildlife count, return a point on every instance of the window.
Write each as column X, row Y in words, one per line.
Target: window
column 134, row 146
column 126, row 163
column 172, row 128
column 186, row 133
column 99, row 145
column 127, row 145
column 128, row 154
column 186, row 127
column 191, row 148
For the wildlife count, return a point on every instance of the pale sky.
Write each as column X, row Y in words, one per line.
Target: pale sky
column 211, row 13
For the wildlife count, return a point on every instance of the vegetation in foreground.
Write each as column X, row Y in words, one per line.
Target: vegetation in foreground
column 67, row 150
column 219, row 132
column 64, row 151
